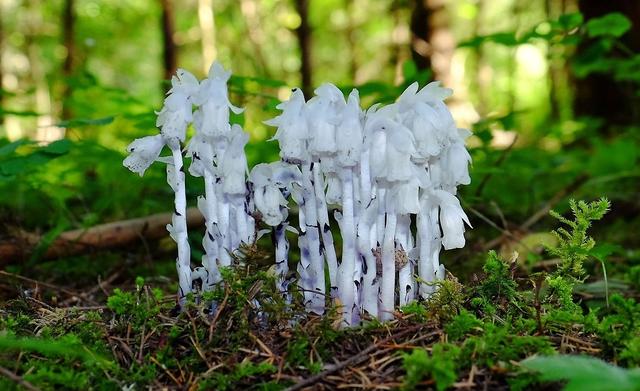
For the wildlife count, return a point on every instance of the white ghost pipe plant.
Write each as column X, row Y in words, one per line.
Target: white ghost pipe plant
column 271, row 187
column 220, row 148
column 349, row 137
column 440, row 153
column 379, row 167
column 293, row 137
column 173, row 119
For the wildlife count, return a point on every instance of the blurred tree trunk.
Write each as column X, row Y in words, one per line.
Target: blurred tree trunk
column 69, row 42
column 168, row 43
column 207, row 33
column 251, row 12
column 34, row 29
column 432, row 44
column 304, row 41
column 481, row 72
column 600, row 95
column 553, row 74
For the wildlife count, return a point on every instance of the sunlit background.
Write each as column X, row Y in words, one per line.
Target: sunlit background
column 549, row 89
column 105, row 58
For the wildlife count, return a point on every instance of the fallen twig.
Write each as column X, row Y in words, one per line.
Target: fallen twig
column 100, row 237
column 362, row 355
column 19, row 380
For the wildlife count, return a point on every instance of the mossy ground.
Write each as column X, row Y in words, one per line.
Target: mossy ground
column 472, row 336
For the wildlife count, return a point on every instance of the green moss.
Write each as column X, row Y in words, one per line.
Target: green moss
column 440, row 366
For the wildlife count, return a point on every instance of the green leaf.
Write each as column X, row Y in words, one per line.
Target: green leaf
column 614, row 24
column 409, row 70
column 584, row 373
column 602, row 251
column 571, row 20
column 18, row 113
column 10, row 148
column 78, row 122
column 59, row 147
column 67, row 346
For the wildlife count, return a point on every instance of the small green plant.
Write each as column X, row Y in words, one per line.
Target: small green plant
column 583, row 373
column 498, row 288
column 239, row 376
column 500, row 344
column 447, row 301
column 440, row 366
column 461, row 325
column 619, row 328
column 574, row 245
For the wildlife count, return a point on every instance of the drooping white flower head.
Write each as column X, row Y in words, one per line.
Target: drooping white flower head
column 429, row 119
column 350, row 133
column 391, row 146
column 201, row 155
column 293, row 132
column 323, row 115
column 234, row 162
column 212, row 99
column 143, row 152
column 176, row 114
column 405, row 195
column 269, row 180
column 452, row 220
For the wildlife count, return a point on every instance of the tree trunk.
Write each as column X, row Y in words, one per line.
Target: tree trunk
column 432, row 44
column 88, row 240
column 168, row 43
column 207, row 33
column 600, row 95
column 69, row 42
column 421, row 33
column 251, row 12
column 481, row 79
column 304, row 41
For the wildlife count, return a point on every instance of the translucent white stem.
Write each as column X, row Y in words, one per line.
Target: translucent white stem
column 388, row 268
column 346, row 271
column 436, row 244
column 211, row 240
column 323, row 220
column 406, row 283
column 425, row 264
column 380, row 222
column 282, row 261
column 223, row 226
column 183, row 262
column 365, row 178
column 316, row 272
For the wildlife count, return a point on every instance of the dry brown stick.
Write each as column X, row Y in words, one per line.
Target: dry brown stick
column 19, row 380
column 362, row 355
column 36, row 282
column 100, row 237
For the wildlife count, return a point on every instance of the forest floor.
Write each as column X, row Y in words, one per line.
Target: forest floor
column 503, row 330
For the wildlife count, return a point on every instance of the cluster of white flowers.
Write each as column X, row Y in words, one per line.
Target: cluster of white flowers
column 389, row 174
column 376, row 169
column 217, row 155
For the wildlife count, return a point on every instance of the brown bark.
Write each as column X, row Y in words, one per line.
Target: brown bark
column 69, row 42
column 600, row 95
column 432, row 43
column 169, row 53
column 101, row 237
column 421, row 33
column 303, row 33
